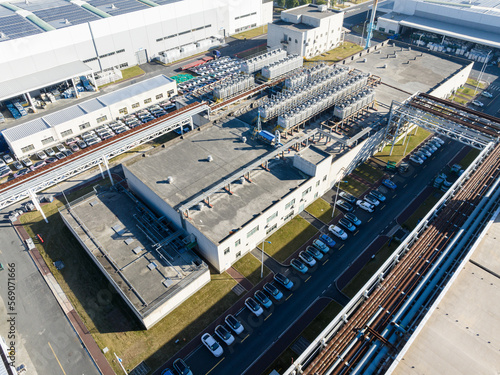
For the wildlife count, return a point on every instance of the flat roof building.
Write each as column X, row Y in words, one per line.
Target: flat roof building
column 307, row 31
column 147, row 262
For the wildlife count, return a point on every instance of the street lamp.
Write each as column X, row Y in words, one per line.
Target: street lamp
column 262, row 261
column 337, row 194
column 482, row 71
column 363, row 33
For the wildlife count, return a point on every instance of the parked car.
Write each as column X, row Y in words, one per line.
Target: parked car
column 167, row 371
column 273, row 291
column 181, row 367
column 120, row 129
column 389, row 184
column 283, row 280
column 364, row 205
column 234, row 324
column 41, row 155
column 50, row 152
column 307, row 258
column 325, row 238
column 70, row 141
column 253, row 306
column 22, row 172
column 378, row 195
column 425, row 151
column 311, row 250
column 158, row 113
column 74, row 147
column 320, row 245
column 51, row 160
column 338, row 232
column 147, row 119
column 27, row 162
column 7, row 158
column 345, row 206
column 420, row 154
column 477, row 103
column 438, row 140
column 67, row 152
column 264, row 300
column 60, row 155
column 5, row 171
column 212, row 344
column 373, row 201
column 353, row 219
column 60, row 147
column 224, row 334
column 2, row 163
column 37, row 165
column 435, row 142
column 347, row 224
column 430, row 146
column 415, row 159
column 348, row 197
column 487, row 94
column 17, row 164
column 299, row 266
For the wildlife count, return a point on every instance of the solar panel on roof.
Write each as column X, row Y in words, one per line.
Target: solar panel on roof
column 118, row 6
column 15, row 26
column 73, row 13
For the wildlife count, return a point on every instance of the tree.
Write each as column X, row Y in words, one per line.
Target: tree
column 292, row 3
column 303, row 2
column 320, row 2
column 281, row 3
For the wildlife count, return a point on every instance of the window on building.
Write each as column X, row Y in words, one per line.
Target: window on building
column 269, row 230
column 120, row 51
column 84, row 126
column 159, row 39
column 237, row 243
column 238, row 254
column 90, row 60
column 123, row 111
column 184, row 32
column 159, row 96
column 170, row 93
column 272, row 216
column 296, row 41
column 47, row 140
column 392, row 32
column 66, row 133
column 135, row 105
column 307, row 191
column 252, row 232
column 289, row 204
column 148, row 100
column 289, row 38
column 124, row 65
column 315, row 195
column 101, row 119
column 27, row 149
column 324, row 178
column 317, row 183
column 288, row 216
column 226, row 251
column 382, row 29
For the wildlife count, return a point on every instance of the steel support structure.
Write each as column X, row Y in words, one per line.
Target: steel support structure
column 70, row 167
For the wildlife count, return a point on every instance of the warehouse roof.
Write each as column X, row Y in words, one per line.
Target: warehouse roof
column 479, row 6
column 25, row 130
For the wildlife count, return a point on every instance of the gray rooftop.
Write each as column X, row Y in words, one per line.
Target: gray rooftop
column 108, row 216
column 310, row 10
column 461, row 336
column 25, row 130
column 479, row 6
column 313, row 154
column 294, row 26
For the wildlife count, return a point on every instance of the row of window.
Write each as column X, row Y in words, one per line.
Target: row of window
column 245, row 15
column 105, row 55
column 184, row 32
column 245, row 28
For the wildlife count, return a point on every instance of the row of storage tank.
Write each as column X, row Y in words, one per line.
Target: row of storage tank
column 354, row 103
column 256, row 63
column 318, row 104
column 289, row 99
column 308, row 75
column 233, row 86
column 283, row 66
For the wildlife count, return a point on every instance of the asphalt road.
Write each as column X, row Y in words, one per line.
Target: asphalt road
column 44, row 340
column 260, row 333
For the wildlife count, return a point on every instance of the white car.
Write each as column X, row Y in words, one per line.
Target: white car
column 234, row 324
column 372, row 200
column 2, row 163
column 430, row 147
column 253, row 306
column 437, row 139
column 41, row 155
column 212, row 344
column 61, row 147
column 307, row 259
column 224, row 334
column 27, row 162
column 50, row 152
column 487, row 94
column 7, row 158
column 424, row 151
column 477, row 103
column 336, row 231
column 364, row 205
column 435, row 143
column 416, row 159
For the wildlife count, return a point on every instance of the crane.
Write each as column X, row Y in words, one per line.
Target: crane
column 371, row 24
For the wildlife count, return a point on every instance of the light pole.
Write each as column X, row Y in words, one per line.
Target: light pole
column 482, row 71
column 262, row 260
column 337, row 194
column 363, row 33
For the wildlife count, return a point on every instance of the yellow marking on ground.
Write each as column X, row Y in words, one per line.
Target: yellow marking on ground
column 341, row 246
column 370, row 219
column 381, row 208
column 268, row 316
column 215, row 366
column 286, row 299
column 307, row 279
column 245, row 338
column 57, row 359
column 325, row 261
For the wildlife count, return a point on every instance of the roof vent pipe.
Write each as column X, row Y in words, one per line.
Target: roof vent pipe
column 170, row 179
column 210, row 158
column 113, row 6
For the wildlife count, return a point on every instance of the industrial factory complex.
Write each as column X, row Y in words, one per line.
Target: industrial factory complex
column 233, row 150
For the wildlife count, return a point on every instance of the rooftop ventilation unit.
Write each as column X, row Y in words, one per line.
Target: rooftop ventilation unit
column 66, row 22
column 322, row 8
column 170, row 179
column 113, row 6
column 210, row 158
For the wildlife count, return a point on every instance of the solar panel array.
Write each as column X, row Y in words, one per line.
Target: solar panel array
column 163, row 2
column 71, row 12
column 15, row 26
column 118, row 6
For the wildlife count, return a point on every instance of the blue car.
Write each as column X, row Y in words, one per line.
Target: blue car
column 273, row 291
column 389, row 184
column 283, row 280
column 299, row 266
column 327, row 239
column 264, row 300
column 312, row 251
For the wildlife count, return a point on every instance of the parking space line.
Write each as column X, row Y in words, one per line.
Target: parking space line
column 394, row 196
column 405, row 186
column 267, row 316
column 286, row 299
column 307, row 279
column 209, row 371
column 57, row 359
column 341, row 246
column 416, row 174
column 381, row 208
column 425, row 166
column 370, row 219
column 355, row 233
column 325, row 261
column 245, row 338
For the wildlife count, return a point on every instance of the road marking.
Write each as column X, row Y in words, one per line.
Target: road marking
column 424, row 166
column 355, row 233
column 406, row 184
column 245, row 338
column 341, row 246
column 416, row 174
column 370, row 219
column 215, row 366
column 307, row 279
column 325, row 261
column 394, row 196
column 267, row 316
column 381, row 208
column 57, row 359
column 286, row 299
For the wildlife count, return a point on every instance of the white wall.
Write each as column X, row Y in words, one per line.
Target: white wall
column 452, row 84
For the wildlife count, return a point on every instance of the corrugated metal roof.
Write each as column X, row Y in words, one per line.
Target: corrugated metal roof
column 44, row 78
column 64, row 115
column 25, row 130
column 91, row 105
column 138, row 88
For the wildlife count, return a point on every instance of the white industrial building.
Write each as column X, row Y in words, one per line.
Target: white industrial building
column 473, row 23
column 307, row 31
column 42, row 35
column 47, row 131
